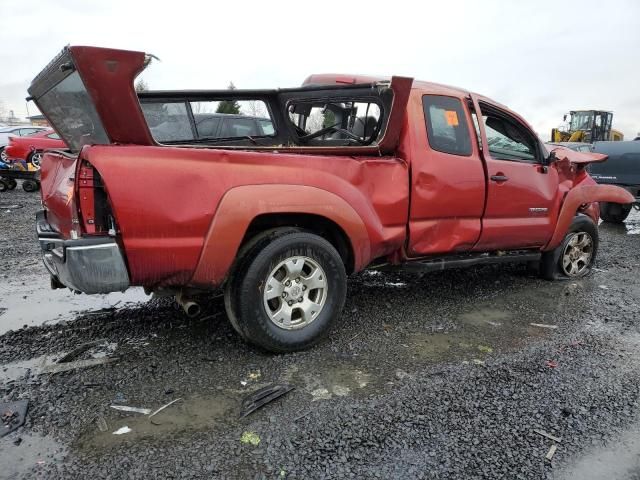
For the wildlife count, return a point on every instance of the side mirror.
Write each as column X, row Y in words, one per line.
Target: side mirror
column 551, row 158
column 564, row 119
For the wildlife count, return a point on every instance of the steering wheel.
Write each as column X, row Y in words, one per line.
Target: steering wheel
column 332, row 128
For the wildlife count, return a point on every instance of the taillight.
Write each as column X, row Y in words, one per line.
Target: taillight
column 93, row 205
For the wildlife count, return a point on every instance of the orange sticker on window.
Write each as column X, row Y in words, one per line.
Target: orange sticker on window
column 452, row 117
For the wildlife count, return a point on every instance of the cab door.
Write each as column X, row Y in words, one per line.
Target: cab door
column 447, row 176
column 522, row 191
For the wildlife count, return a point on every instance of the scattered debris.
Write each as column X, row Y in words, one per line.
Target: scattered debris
column 122, row 430
column 402, row 375
column 124, row 408
column 102, row 424
column 91, row 384
column 547, row 435
column 320, row 394
column 603, row 287
column 64, row 367
column 12, row 416
column 492, row 323
column 119, row 398
column 485, row 349
column 477, row 361
column 551, row 452
column 2, row 310
column 255, row 375
column 263, row 396
column 551, row 363
column 162, row 408
column 300, row 417
column 544, row 325
column 17, row 441
column 594, row 269
column 251, row 438
column 76, row 352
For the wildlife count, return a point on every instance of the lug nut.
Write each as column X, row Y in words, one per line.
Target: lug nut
column 288, row 284
column 284, row 294
column 298, row 280
column 304, row 287
column 299, row 299
column 290, row 302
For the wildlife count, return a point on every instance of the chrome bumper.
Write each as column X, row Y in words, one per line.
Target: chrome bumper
column 88, row 265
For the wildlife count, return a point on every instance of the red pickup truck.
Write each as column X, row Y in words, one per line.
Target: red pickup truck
column 298, row 189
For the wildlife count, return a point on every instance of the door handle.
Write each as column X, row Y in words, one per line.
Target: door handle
column 499, row 178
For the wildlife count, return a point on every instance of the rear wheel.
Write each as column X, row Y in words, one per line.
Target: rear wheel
column 3, row 154
column 575, row 256
column 614, row 212
column 3, row 186
column 11, row 183
column 287, row 291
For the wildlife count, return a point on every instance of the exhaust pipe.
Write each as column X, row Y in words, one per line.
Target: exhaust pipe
column 191, row 308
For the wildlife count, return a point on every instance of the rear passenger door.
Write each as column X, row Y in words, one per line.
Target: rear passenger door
column 522, row 192
column 447, row 176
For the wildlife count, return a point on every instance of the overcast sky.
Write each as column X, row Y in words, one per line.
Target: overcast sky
column 541, row 58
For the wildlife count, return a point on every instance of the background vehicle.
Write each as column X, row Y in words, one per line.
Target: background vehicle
column 357, row 172
column 622, row 169
column 18, row 131
column 29, row 149
column 587, row 126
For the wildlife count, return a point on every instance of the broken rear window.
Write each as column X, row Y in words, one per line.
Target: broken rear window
column 343, row 122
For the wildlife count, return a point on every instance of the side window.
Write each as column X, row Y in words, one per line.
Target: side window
column 54, row 136
column 447, row 128
column 230, row 118
column 508, row 140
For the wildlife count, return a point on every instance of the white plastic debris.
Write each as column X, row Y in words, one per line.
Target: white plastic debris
column 122, row 430
column 124, row 408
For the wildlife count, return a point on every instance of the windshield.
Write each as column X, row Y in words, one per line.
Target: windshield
column 581, row 121
column 71, row 111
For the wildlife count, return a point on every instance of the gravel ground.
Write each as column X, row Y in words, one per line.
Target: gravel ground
column 434, row 376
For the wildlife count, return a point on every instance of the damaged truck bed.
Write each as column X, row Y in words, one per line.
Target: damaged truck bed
column 278, row 195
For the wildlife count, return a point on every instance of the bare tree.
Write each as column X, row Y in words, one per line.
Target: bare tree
column 141, row 85
column 254, row 108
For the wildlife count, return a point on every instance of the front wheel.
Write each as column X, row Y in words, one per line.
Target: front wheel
column 288, row 291
column 614, row 212
column 575, row 256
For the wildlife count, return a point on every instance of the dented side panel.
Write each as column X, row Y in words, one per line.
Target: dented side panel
column 171, row 196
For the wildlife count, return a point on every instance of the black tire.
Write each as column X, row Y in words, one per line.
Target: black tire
column 243, row 258
column 551, row 263
column 11, row 183
column 30, row 186
column 614, row 212
column 3, row 186
column 244, row 296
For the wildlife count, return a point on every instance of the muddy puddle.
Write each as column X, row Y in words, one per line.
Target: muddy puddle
column 30, row 456
column 497, row 325
column 187, row 414
column 334, row 379
column 33, row 303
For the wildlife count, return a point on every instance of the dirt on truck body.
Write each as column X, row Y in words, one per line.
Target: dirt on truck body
column 298, row 189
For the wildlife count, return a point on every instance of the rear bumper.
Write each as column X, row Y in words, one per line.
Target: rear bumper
column 88, row 265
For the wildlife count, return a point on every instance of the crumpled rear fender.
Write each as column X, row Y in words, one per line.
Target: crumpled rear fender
column 241, row 205
column 582, row 195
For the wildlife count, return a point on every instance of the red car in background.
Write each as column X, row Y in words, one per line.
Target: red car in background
column 29, row 149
